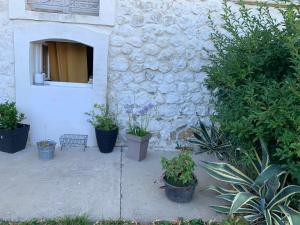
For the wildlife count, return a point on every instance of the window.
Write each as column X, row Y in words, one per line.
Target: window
column 83, row 7
column 96, row 12
column 64, row 61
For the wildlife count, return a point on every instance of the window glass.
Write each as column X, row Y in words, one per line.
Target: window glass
column 66, row 62
column 84, row 7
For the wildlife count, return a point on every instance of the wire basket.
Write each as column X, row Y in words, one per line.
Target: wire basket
column 73, row 140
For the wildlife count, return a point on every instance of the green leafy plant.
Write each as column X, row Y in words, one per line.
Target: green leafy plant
column 234, row 220
column 210, row 139
column 102, row 118
column 179, row 170
column 254, row 76
column 10, row 118
column 265, row 200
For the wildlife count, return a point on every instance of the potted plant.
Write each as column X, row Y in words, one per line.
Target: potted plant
column 138, row 135
column 13, row 134
column 46, row 149
column 106, row 127
column 179, row 179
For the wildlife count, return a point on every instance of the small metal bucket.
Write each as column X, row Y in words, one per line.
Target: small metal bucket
column 46, row 150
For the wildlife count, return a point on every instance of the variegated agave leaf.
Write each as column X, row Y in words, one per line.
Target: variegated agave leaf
column 227, row 173
column 292, row 215
column 269, row 172
column 240, row 200
column 283, row 195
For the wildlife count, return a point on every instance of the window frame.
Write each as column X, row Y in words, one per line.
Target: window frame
column 37, row 67
column 17, row 10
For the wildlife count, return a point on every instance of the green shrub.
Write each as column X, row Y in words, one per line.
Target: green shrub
column 254, row 75
column 102, row 118
column 179, row 170
column 9, row 116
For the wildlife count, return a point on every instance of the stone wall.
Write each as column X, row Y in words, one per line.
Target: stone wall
column 156, row 54
column 7, row 82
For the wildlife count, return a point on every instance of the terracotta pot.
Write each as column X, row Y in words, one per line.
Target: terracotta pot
column 137, row 147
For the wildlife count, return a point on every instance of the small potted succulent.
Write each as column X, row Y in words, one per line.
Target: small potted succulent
column 105, row 124
column 179, row 179
column 46, row 149
column 13, row 134
column 138, row 135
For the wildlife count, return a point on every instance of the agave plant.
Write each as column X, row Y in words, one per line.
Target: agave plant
column 209, row 139
column 263, row 201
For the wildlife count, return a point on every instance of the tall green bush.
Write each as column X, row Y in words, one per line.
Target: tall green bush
column 254, row 75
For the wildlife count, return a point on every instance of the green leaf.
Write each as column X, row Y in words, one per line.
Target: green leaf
column 255, row 205
column 226, row 178
column 279, row 220
column 204, row 131
column 221, row 190
column 283, row 194
column 272, row 185
column 227, row 170
column 292, row 215
column 265, row 154
column 221, row 209
column 267, row 173
column 227, row 197
column 253, row 218
column 241, row 199
column 268, row 217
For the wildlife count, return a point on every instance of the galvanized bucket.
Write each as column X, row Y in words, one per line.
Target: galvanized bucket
column 46, row 149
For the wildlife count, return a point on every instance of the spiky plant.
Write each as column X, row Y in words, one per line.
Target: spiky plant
column 263, row 201
column 209, row 139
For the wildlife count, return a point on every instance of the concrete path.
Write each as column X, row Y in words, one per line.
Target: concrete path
column 101, row 186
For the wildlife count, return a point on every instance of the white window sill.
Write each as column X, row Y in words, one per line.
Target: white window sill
column 64, row 84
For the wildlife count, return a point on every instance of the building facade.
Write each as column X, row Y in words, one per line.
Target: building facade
column 142, row 51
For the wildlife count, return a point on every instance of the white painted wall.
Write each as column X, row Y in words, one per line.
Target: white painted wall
column 56, row 110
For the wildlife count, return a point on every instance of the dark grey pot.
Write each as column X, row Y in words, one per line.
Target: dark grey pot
column 137, row 147
column 12, row 141
column 180, row 194
column 46, row 152
column 106, row 139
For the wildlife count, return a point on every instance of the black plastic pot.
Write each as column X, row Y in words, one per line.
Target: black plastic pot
column 106, row 139
column 12, row 141
column 180, row 194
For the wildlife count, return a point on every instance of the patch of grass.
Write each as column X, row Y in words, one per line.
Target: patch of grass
column 183, row 222
column 116, row 222
column 78, row 220
column 234, row 220
column 83, row 220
